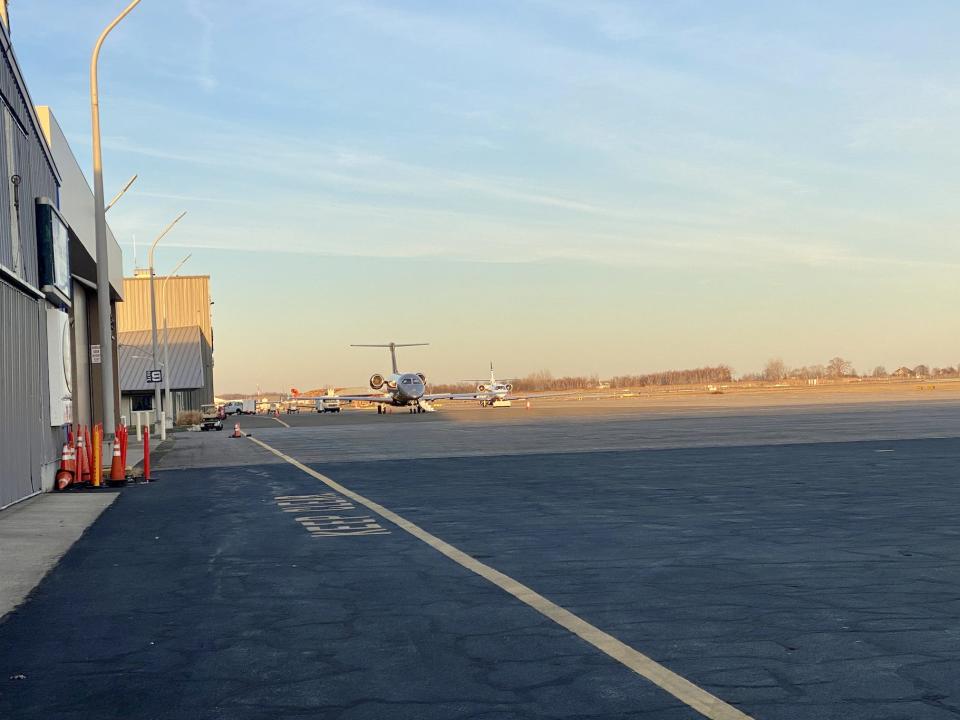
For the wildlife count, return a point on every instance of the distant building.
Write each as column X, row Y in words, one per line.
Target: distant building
column 190, row 372
column 185, row 303
column 902, row 372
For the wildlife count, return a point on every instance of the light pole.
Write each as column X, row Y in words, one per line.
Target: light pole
column 120, row 194
column 166, row 339
column 153, row 322
column 100, row 233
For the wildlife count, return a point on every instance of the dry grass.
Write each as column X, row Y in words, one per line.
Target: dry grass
column 188, row 417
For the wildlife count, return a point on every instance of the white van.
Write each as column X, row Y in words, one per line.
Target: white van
column 328, row 405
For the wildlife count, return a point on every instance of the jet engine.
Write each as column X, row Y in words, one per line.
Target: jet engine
column 423, row 378
column 509, row 387
column 481, row 388
column 376, row 381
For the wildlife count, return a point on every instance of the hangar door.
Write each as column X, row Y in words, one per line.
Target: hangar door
column 21, row 419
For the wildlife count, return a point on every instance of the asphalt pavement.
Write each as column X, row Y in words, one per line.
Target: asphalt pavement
column 790, row 577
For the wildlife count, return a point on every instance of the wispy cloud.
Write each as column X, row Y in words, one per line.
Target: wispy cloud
column 204, row 76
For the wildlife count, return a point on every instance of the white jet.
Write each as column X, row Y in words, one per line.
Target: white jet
column 493, row 393
column 399, row 389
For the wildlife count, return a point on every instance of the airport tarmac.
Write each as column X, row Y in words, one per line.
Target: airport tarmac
column 788, row 563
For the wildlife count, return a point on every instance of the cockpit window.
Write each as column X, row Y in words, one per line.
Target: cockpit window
column 406, row 381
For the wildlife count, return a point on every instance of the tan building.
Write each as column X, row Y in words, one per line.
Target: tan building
column 187, row 302
column 184, row 303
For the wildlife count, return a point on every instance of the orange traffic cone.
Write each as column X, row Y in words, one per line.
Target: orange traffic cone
column 236, row 431
column 83, row 462
column 64, row 474
column 118, row 474
column 528, row 404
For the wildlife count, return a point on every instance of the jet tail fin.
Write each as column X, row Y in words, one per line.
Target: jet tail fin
column 393, row 350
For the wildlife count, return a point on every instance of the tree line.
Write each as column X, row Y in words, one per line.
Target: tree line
column 837, row 368
column 543, row 380
column 775, row 370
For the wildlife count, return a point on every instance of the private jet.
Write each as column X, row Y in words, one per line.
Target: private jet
column 493, row 393
column 399, row 389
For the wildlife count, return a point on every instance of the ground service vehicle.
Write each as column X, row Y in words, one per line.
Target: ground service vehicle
column 234, row 407
column 326, row 405
column 210, row 418
column 248, row 407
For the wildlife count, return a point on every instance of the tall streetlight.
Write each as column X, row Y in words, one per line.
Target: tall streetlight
column 120, row 194
column 153, row 322
column 100, row 232
column 166, row 339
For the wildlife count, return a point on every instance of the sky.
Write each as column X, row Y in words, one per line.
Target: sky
column 585, row 187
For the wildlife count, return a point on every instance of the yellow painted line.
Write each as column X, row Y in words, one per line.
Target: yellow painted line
column 696, row 697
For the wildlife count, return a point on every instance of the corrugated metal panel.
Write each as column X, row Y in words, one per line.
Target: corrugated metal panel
column 11, row 90
column 135, row 353
column 31, row 163
column 22, row 430
column 6, row 249
column 187, row 301
column 37, row 182
column 17, row 96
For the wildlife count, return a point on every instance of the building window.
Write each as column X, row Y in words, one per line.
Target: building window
column 140, row 403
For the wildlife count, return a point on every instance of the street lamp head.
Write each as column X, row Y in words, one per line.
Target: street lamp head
column 167, row 229
column 120, row 194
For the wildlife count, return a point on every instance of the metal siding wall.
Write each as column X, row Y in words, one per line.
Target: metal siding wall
column 37, row 182
column 22, row 431
column 6, row 251
column 206, row 352
column 10, row 91
column 38, row 179
column 188, row 303
column 28, row 445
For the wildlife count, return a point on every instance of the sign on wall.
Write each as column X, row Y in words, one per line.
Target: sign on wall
column 53, row 253
column 95, row 354
column 154, row 376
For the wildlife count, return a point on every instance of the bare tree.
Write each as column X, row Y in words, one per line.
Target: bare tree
column 838, row 367
column 775, row 370
column 879, row 371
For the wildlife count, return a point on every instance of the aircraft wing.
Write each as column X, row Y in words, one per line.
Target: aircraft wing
column 430, row 397
column 537, row 396
column 350, row 398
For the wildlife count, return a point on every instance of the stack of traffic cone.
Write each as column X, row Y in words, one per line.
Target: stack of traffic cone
column 67, row 469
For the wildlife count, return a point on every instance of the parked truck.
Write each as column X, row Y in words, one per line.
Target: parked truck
column 210, row 418
column 249, row 407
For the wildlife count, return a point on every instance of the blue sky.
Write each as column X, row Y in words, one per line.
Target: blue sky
column 598, row 187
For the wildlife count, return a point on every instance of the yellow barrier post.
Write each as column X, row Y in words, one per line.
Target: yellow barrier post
column 97, row 469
